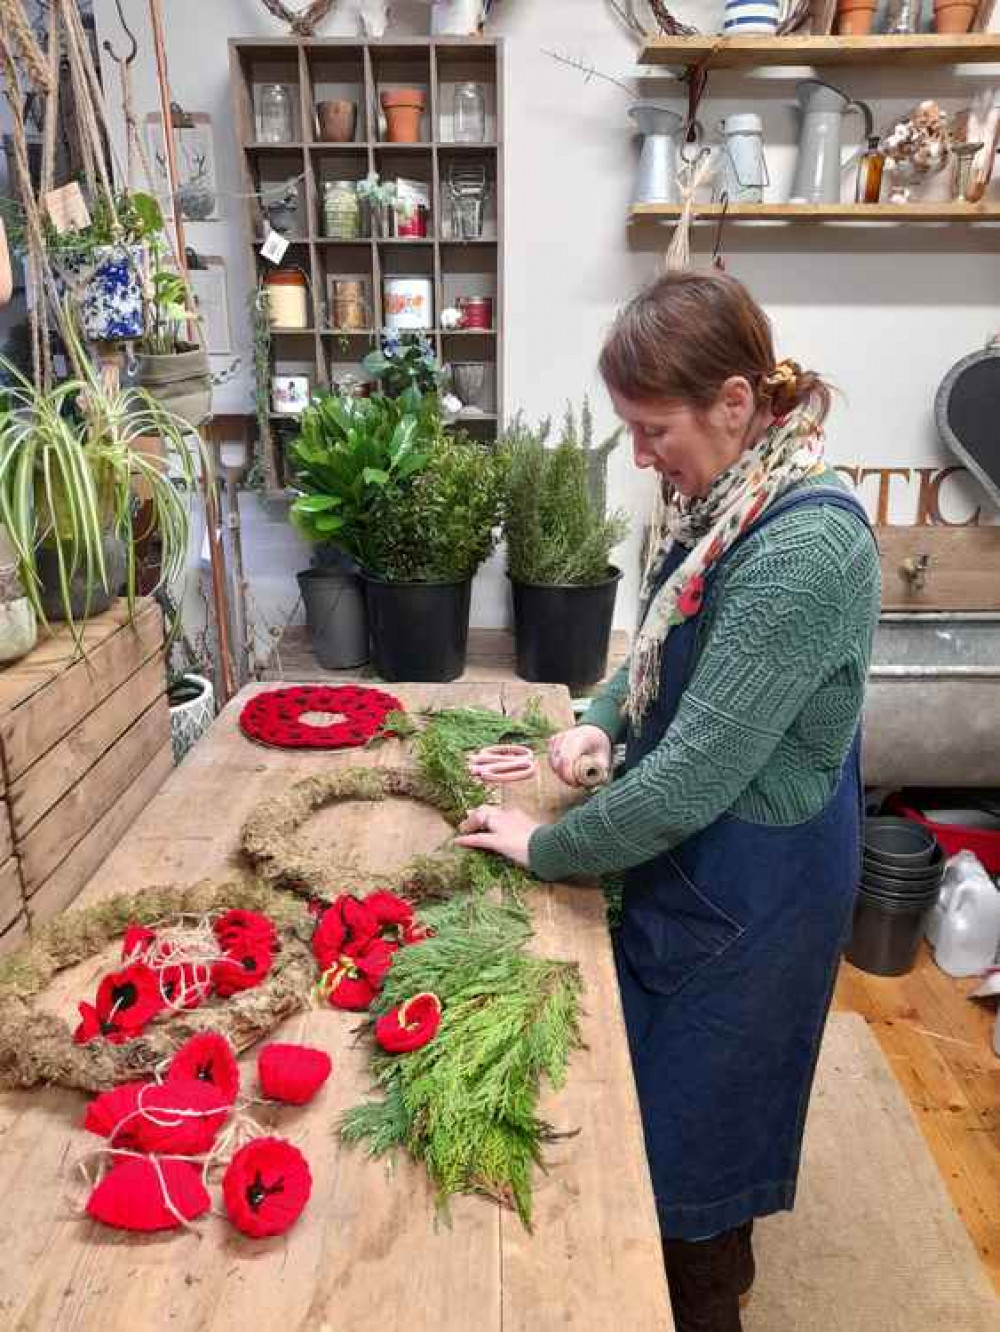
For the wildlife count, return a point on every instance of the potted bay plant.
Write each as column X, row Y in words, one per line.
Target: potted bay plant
column 559, row 543
column 429, row 533
column 70, row 461
column 348, row 450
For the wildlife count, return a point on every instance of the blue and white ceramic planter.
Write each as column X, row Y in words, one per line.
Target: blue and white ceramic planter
column 106, row 286
column 749, row 18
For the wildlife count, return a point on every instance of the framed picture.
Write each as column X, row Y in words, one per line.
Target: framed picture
column 211, row 298
column 194, row 146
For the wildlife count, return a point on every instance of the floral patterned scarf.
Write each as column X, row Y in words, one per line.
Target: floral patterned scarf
column 790, row 449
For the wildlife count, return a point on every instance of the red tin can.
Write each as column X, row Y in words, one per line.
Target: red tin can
column 477, row 311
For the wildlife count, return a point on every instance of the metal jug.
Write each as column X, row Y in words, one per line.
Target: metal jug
column 661, row 129
column 818, row 167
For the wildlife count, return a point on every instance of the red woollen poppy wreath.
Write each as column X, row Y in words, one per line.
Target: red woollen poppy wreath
column 274, row 716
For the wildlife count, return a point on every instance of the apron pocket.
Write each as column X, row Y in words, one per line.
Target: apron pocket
column 670, row 929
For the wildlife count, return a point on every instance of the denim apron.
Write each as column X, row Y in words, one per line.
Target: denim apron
column 727, row 955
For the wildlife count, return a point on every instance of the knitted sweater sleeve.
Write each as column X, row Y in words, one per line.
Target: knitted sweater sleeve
column 778, row 624
column 607, row 709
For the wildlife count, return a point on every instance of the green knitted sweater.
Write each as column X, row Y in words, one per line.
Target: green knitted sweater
column 771, row 707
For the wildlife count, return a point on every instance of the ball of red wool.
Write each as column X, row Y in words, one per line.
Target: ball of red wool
column 292, row 1073
column 266, row 1186
column 106, row 1111
column 245, row 965
column 133, row 1195
column 177, row 1118
column 410, row 1026
column 207, row 1058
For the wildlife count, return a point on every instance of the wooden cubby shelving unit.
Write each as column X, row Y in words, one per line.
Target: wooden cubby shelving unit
column 747, row 53
column 358, row 71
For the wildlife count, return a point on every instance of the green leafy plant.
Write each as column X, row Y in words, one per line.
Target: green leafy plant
column 167, row 313
column 69, row 459
column 349, row 451
column 466, row 1105
column 404, row 361
column 140, row 219
column 555, row 524
column 440, row 524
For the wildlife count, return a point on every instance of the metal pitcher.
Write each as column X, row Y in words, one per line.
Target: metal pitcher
column 818, row 167
column 661, row 129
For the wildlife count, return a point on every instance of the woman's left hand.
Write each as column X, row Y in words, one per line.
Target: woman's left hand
column 505, row 832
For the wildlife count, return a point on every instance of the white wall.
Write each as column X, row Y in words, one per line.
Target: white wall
column 883, row 312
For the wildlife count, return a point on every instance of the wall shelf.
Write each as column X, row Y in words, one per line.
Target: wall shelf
column 751, row 52
column 820, row 213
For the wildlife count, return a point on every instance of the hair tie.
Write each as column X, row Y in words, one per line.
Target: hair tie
column 785, row 375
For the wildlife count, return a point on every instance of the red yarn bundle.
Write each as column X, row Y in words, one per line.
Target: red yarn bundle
column 176, row 1118
column 292, row 1073
column 409, row 1026
column 149, row 1194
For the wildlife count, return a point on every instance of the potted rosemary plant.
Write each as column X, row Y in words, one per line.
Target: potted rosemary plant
column 348, row 450
column 559, row 544
column 69, row 461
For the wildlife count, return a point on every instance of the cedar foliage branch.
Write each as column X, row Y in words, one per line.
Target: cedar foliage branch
column 466, row 1104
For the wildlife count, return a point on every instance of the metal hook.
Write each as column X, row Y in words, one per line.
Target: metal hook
column 717, row 259
column 122, row 60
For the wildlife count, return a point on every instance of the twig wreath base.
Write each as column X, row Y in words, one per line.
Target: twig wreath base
column 271, row 835
column 38, row 1048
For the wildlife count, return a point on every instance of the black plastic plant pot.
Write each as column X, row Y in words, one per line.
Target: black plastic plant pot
column 885, row 939
column 902, row 880
column 336, row 616
column 561, row 633
column 419, row 631
column 899, row 842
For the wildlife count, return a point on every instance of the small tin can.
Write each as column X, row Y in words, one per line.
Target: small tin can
column 408, row 302
column 477, row 311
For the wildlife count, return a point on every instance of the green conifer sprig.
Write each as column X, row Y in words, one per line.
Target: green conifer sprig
column 466, row 1104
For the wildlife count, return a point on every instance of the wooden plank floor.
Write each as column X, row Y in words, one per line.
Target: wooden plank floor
column 939, row 1046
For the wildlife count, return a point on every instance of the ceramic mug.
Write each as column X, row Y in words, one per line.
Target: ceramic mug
column 289, row 394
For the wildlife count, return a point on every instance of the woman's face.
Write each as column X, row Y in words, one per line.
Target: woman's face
column 686, row 447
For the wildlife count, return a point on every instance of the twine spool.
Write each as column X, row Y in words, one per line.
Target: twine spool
column 591, row 772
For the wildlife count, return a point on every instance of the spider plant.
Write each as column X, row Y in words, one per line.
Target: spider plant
column 69, row 458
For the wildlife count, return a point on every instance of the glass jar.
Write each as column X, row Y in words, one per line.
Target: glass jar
column 341, row 210
column 965, row 186
column 277, row 123
column 469, row 114
column 870, row 168
column 903, row 17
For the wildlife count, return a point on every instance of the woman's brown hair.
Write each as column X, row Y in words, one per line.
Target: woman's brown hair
column 686, row 333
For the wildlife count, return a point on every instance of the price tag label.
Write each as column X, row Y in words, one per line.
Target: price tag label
column 274, row 247
column 67, row 208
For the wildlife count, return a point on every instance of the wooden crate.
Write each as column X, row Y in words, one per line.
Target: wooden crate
column 85, row 743
column 13, row 919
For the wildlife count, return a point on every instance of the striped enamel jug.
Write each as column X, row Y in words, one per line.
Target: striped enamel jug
column 748, row 18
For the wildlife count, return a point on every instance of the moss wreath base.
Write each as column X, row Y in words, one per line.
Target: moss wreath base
column 38, row 1048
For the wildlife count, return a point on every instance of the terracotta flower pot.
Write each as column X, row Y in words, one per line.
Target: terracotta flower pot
column 953, row 16
column 403, row 109
column 855, row 17
column 337, row 121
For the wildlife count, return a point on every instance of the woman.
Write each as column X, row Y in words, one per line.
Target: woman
column 737, row 814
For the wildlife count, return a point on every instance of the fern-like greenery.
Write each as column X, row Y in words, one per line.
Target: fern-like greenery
column 555, row 521
column 466, row 1104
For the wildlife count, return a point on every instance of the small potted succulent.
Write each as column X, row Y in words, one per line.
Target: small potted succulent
column 559, row 544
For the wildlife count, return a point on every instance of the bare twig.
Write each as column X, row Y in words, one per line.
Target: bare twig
column 590, row 72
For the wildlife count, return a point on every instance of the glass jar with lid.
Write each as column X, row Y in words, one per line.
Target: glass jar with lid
column 277, row 121
column 469, row 114
column 341, row 210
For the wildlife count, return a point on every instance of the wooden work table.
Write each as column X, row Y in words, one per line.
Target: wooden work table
column 367, row 1251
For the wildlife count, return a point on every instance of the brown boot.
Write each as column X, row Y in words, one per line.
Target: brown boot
column 706, row 1281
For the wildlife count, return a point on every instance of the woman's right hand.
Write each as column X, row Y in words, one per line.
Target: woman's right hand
column 580, row 742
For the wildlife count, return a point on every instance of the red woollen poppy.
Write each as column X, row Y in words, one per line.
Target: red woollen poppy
column 136, row 943
column 272, row 717
column 134, row 1195
column 186, row 985
column 245, row 965
column 292, row 1073
column 355, row 978
column 177, row 1118
column 106, row 1111
column 126, row 1001
column 346, row 924
column 266, row 1187
column 393, row 915
column 237, row 926
column 207, row 1058
column 411, row 1025
column 691, row 594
